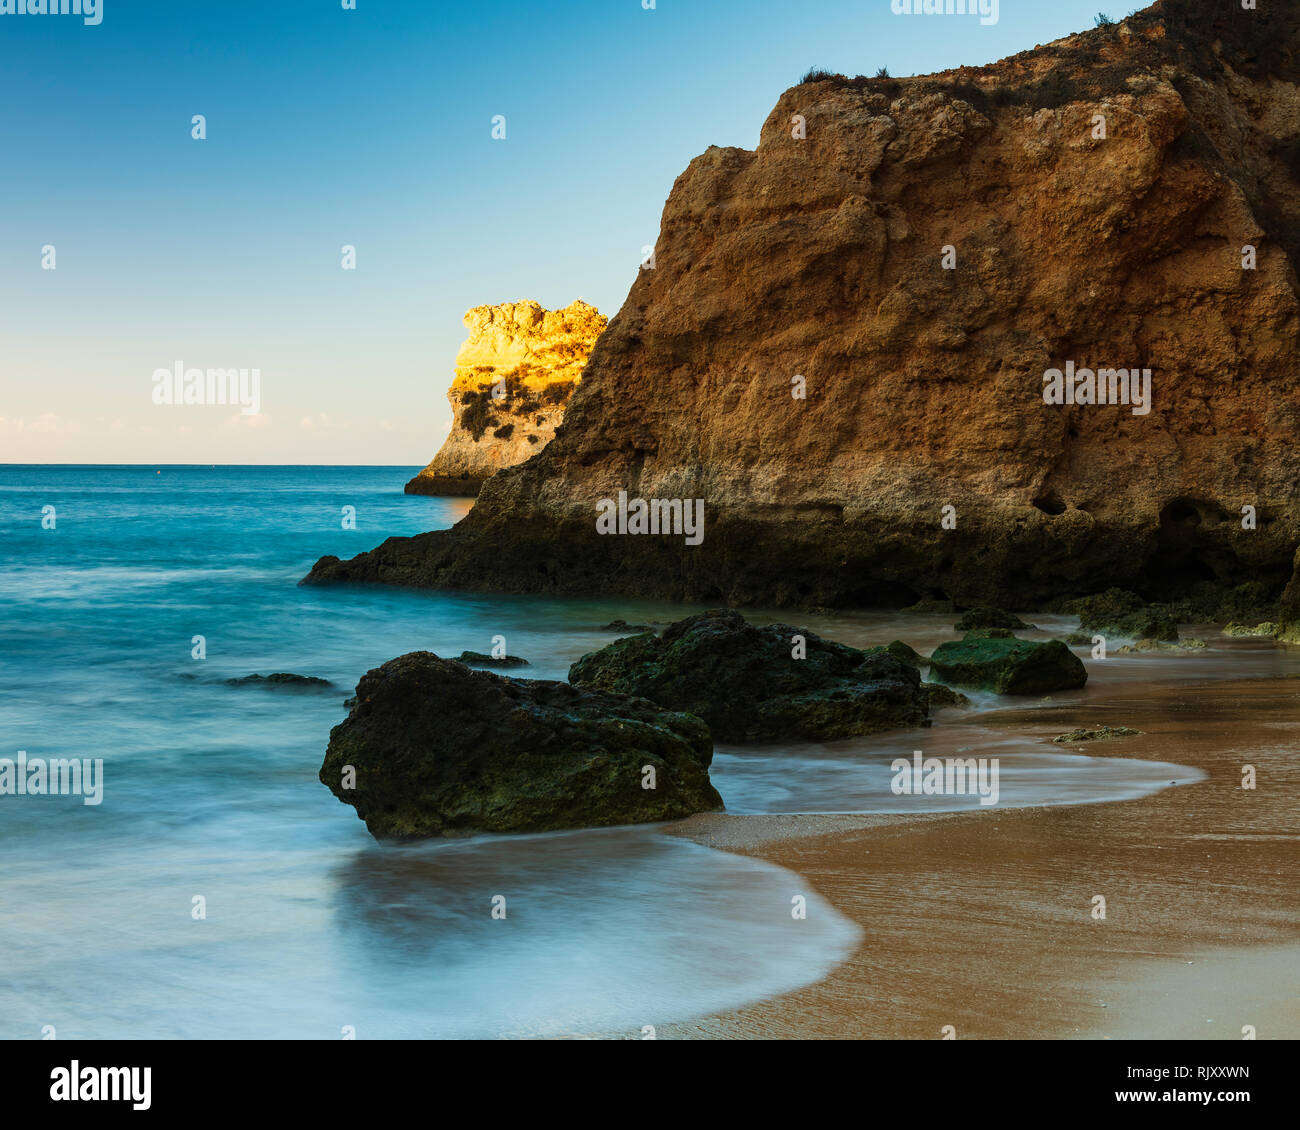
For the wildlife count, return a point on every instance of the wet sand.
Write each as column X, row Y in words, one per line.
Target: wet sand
column 984, row 920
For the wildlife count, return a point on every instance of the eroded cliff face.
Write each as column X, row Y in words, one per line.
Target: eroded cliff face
column 514, row 375
column 921, row 259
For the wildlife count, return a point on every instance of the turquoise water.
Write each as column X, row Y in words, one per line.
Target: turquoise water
column 310, row 926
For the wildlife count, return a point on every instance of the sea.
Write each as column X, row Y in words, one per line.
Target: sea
column 219, row 890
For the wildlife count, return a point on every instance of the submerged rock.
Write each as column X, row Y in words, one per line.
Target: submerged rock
column 478, row 659
column 1150, row 624
column 989, row 618
column 1117, row 612
column 906, row 653
column 440, row 750
column 940, row 695
column 624, row 626
column 1008, row 665
column 1101, row 734
column 1160, row 645
column 931, row 604
column 1267, row 630
column 282, row 680
column 745, row 682
column 1106, row 607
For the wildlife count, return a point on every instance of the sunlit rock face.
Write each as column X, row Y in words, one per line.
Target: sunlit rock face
column 514, row 375
column 921, row 253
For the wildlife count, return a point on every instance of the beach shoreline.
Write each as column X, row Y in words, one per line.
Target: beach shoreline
column 982, row 923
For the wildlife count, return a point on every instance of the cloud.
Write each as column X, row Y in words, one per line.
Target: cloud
column 47, row 423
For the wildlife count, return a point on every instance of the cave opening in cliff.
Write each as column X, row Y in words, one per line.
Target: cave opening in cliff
column 1190, row 549
column 1050, row 503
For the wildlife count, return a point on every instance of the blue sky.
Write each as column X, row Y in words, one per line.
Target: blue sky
column 369, row 127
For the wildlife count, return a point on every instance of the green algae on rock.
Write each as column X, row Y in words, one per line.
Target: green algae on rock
column 989, row 618
column 754, row 683
column 906, row 652
column 1008, row 665
column 1267, row 630
column 940, row 695
column 1100, row 734
column 478, row 659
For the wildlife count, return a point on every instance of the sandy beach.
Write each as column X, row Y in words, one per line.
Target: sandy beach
column 984, row 921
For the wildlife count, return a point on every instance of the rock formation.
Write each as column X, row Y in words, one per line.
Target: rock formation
column 282, row 680
column 1007, row 665
column 514, row 375
column 760, row 683
column 440, row 750
column 915, row 265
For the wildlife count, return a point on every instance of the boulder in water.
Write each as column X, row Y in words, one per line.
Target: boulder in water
column 284, row 681
column 435, row 749
column 1008, row 665
column 478, row 659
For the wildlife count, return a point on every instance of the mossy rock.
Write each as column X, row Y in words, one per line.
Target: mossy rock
column 1008, row 665
column 906, row 653
column 1161, row 645
column 478, row 659
column 1267, row 630
column 1118, row 612
column 931, row 605
column 754, row 683
column 1101, row 734
column 989, row 618
column 1105, row 608
column 943, row 696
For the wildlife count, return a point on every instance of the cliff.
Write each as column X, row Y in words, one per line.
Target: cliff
column 923, row 259
column 514, row 375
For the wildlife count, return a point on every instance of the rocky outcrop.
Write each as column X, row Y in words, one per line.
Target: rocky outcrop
column 1007, row 665
column 1101, row 734
column 514, row 375
column 754, row 683
column 941, row 696
column 436, row 749
column 915, row 264
column 990, row 618
column 480, row 659
column 282, row 680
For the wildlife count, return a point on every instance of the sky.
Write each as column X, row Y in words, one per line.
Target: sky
column 370, row 127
